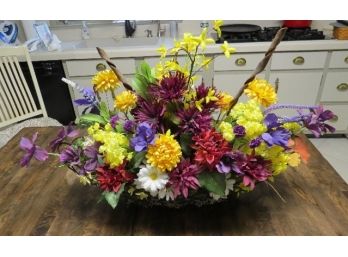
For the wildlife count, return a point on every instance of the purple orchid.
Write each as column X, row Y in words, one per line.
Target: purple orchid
column 69, row 131
column 32, row 150
column 228, row 163
column 92, row 153
column 279, row 136
column 144, row 136
column 315, row 121
column 70, row 156
column 113, row 120
column 239, row 131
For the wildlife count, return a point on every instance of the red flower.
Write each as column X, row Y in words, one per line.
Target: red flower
column 210, row 146
column 184, row 177
column 112, row 179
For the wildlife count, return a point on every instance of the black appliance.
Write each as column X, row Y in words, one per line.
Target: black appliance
column 238, row 33
column 55, row 93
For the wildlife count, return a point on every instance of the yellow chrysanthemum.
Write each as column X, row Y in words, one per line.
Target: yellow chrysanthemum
column 227, row 50
column 226, row 130
column 105, row 80
column 294, row 160
column 125, row 101
column 114, row 146
column 224, row 101
column 165, row 153
column 262, row 91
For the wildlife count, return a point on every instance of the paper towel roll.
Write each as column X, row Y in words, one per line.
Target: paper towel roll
column 29, row 31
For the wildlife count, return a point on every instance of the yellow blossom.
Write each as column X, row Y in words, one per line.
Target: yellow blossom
column 224, row 101
column 125, row 101
column 176, row 47
column 163, row 51
column 164, row 153
column 227, row 50
column 216, row 25
column 226, row 130
column 202, row 39
column 276, row 155
column 105, row 80
column 189, row 43
column 293, row 127
column 294, row 160
column 262, row 91
column 211, row 96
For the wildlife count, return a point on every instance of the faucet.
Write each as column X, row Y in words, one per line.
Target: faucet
column 160, row 31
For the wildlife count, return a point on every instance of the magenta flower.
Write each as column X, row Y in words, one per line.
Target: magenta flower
column 31, row 150
column 65, row 132
column 113, row 120
column 194, row 121
column 184, row 177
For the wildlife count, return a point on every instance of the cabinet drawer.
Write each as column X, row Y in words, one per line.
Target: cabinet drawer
column 298, row 60
column 342, row 116
column 339, row 59
column 336, row 86
column 237, row 62
column 152, row 61
column 89, row 67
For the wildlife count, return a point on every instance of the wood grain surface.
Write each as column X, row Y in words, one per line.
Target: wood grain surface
column 46, row 200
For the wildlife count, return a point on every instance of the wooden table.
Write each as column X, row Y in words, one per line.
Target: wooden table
column 43, row 200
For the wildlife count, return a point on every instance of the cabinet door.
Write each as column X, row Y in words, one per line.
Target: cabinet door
column 296, row 87
column 232, row 81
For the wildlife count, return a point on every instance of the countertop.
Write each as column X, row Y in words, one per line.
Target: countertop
column 44, row 200
column 86, row 49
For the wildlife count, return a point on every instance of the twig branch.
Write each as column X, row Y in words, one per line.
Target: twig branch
column 261, row 66
column 113, row 67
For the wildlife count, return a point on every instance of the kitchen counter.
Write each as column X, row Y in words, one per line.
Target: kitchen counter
column 86, row 49
column 44, row 200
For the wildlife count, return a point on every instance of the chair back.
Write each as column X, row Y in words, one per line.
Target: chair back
column 16, row 100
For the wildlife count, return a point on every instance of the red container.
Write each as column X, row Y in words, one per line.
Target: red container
column 296, row 24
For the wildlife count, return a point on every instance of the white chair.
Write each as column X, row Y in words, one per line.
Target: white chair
column 16, row 102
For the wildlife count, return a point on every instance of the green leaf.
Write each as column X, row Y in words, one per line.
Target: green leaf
column 185, row 143
column 213, row 182
column 239, row 142
column 92, row 118
column 137, row 159
column 112, row 198
column 104, row 112
column 140, row 86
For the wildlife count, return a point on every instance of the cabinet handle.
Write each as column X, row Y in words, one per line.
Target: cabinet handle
column 100, row 67
column 346, row 59
column 342, row 87
column 240, row 62
column 334, row 118
column 298, row 60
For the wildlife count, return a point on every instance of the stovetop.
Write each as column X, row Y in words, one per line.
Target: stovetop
column 268, row 33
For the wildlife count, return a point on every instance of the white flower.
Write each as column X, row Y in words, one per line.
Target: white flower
column 151, row 179
column 229, row 187
column 88, row 142
column 166, row 193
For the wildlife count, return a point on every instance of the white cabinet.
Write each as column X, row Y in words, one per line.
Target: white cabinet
column 296, row 87
column 336, row 87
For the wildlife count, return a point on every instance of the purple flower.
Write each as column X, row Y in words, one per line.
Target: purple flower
column 279, row 136
column 239, row 131
column 271, row 121
column 31, row 150
column 228, row 163
column 89, row 98
column 144, row 136
column 91, row 153
column 315, row 121
column 129, row 126
column 69, row 131
column 194, row 121
column 113, row 120
column 70, row 156
column 255, row 142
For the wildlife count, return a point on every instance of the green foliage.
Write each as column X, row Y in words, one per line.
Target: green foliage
column 185, row 143
column 104, row 112
column 239, row 142
column 91, row 118
column 143, row 78
column 214, row 182
column 137, row 160
column 112, row 198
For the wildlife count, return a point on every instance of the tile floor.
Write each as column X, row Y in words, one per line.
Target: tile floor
column 335, row 150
